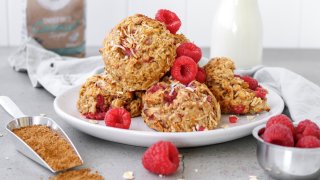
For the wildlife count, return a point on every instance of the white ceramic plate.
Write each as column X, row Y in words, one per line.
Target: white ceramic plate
column 140, row 135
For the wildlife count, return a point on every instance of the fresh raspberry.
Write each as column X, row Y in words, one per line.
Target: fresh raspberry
column 308, row 142
column 238, row 109
column 201, row 75
column 170, row 97
column 260, row 92
column 233, row 119
column 281, row 119
column 311, row 131
column 170, row 19
column 155, row 88
column 307, row 128
column 161, row 158
column 184, row 69
column 278, row 134
column 118, row 118
column 253, row 83
column 261, row 132
column 303, row 124
column 191, row 50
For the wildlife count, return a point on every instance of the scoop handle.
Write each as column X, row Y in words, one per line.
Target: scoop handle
column 11, row 107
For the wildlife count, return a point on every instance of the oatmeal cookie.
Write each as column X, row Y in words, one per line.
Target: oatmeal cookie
column 138, row 52
column 173, row 107
column 100, row 92
column 233, row 93
column 179, row 39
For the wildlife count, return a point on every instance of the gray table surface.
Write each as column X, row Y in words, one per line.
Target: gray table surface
column 230, row 160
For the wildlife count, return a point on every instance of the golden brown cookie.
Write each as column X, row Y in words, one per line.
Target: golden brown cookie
column 174, row 107
column 233, row 93
column 138, row 52
column 179, row 39
column 100, row 92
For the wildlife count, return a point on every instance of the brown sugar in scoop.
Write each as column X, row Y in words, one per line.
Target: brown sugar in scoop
column 50, row 146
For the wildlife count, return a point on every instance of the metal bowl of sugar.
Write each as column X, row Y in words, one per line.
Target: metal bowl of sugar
column 282, row 162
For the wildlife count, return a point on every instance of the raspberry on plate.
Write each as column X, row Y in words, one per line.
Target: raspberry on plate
column 281, row 119
column 233, row 119
column 308, row 142
column 161, row 158
column 191, row 50
column 118, row 118
column 184, row 69
column 201, row 75
column 278, row 134
column 253, row 83
column 170, row 19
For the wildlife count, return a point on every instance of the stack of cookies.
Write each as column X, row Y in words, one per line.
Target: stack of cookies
column 153, row 72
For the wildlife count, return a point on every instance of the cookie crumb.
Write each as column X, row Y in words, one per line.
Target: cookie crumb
column 224, row 126
column 93, row 121
column 128, row 175
column 251, row 118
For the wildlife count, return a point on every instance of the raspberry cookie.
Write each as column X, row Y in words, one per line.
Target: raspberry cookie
column 175, row 107
column 138, row 52
column 232, row 92
column 100, row 92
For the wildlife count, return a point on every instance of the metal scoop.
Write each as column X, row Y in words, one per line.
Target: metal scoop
column 22, row 120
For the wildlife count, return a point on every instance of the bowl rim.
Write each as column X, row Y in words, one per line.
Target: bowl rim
column 257, row 137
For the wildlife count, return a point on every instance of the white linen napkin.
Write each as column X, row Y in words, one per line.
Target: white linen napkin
column 51, row 71
column 57, row 74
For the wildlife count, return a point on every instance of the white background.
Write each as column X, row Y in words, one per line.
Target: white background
column 287, row 23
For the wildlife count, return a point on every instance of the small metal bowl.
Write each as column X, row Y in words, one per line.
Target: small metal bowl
column 282, row 162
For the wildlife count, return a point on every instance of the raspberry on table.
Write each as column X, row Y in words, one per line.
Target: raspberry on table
column 191, row 50
column 161, row 158
column 308, row 142
column 253, row 83
column 118, row 118
column 201, row 75
column 170, row 19
column 278, row 134
column 281, row 119
column 184, row 69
